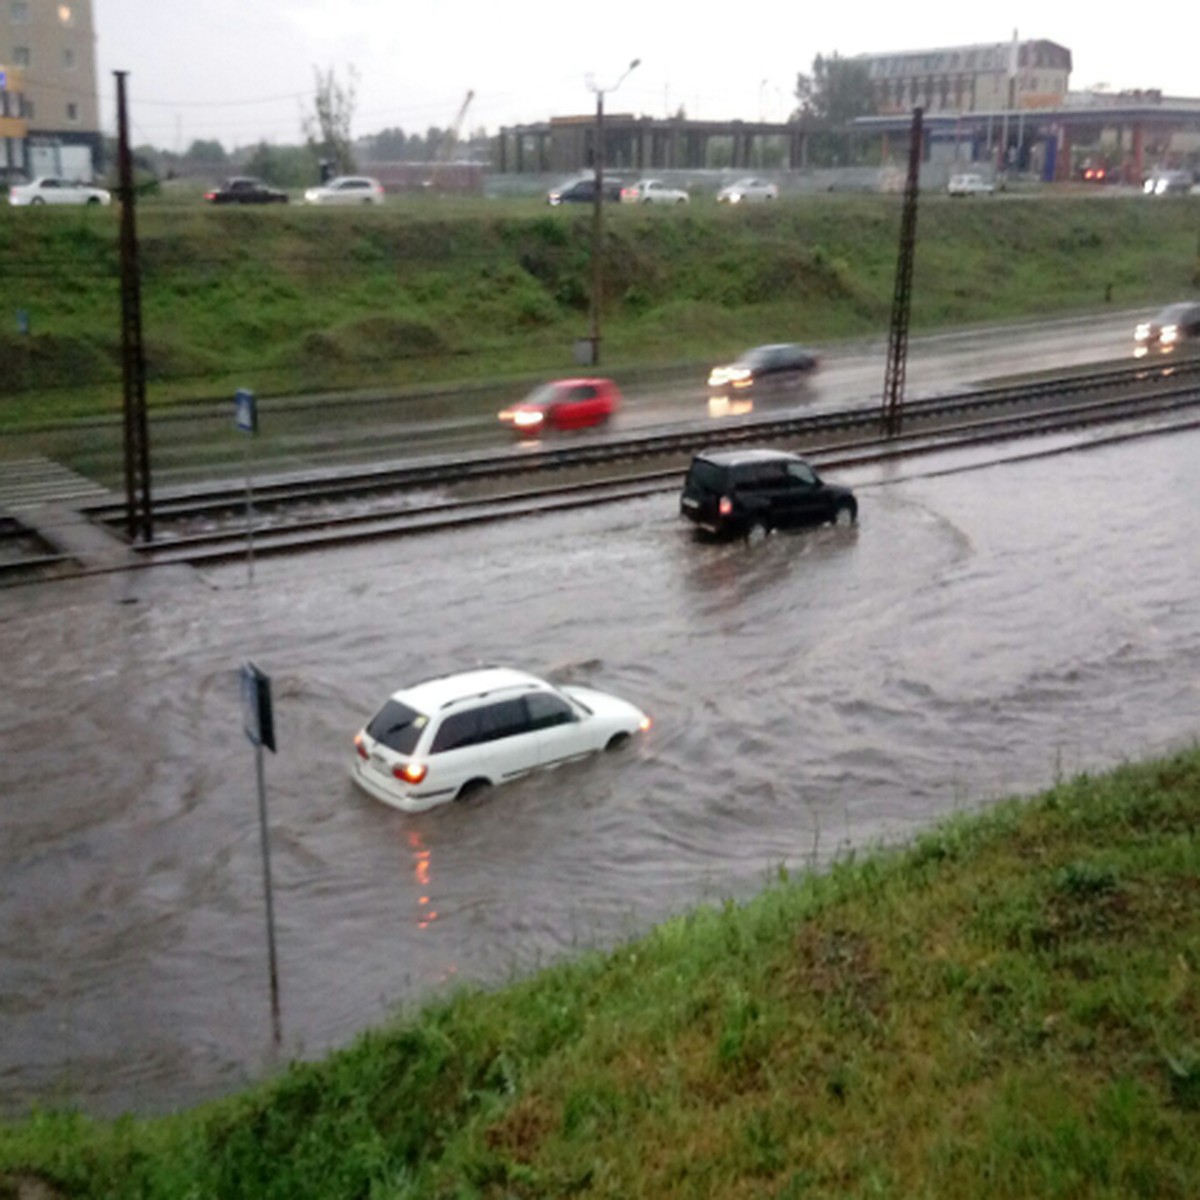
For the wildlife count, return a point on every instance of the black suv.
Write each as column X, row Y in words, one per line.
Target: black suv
column 751, row 492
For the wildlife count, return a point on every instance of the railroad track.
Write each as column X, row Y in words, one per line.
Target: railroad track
column 289, row 515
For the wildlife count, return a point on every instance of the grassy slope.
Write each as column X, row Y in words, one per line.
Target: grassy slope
column 301, row 299
column 1008, row 1007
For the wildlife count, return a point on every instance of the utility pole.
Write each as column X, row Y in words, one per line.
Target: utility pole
column 597, row 231
column 139, row 519
column 597, row 213
column 897, row 359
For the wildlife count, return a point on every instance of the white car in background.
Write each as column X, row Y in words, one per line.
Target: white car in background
column 746, row 191
column 455, row 736
column 653, row 191
column 970, row 185
column 347, row 189
column 51, row 189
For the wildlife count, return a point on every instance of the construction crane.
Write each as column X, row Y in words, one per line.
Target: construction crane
column 449, row 141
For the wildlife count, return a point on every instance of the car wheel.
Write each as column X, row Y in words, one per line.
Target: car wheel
column 845, row 516
column 617, row 741
column 93, row 200
column 473, row 788
column 756, row 533
column 36, row 200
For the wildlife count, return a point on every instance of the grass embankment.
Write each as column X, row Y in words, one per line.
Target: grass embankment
column 1008, row 1007
column 300, row 299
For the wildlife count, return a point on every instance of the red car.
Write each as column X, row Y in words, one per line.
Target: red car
column 563, row 404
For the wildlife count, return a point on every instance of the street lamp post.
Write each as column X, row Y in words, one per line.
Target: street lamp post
column 597, row 210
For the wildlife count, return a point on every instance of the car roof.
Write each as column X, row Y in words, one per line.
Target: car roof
column 434, row 694
column 1173, row 312
column 736, row 456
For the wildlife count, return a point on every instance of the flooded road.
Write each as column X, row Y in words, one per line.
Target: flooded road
column 979, row 633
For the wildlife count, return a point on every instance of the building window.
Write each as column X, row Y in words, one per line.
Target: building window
column 19, row 12
column 73, row 113
column 69, row 59
column 28, row 109
column 20, row 56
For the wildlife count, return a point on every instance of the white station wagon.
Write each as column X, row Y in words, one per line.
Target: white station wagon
column 451, row 737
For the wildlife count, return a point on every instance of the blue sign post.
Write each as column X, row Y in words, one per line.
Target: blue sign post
column 245, row 412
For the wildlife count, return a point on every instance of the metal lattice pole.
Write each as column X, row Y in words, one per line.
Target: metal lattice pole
column 897, row 359
column 137, row 439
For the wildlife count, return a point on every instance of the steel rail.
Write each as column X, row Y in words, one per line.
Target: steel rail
column 340, row 483
column 227, row 544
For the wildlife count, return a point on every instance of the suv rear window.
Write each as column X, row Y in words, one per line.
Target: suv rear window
column 398, row 727
column 706, row 476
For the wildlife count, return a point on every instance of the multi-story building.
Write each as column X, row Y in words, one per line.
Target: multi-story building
column 992, row 77
column 49, row 111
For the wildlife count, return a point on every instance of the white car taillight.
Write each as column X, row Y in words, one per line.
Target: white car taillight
column 410, row 772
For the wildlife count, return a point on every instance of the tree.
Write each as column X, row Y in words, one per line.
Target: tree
column 328, row 128
column 388, row 145
column 838, row 90
column 211, row 153
column 283, row 166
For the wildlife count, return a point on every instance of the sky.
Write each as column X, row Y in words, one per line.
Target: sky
column 242, row 71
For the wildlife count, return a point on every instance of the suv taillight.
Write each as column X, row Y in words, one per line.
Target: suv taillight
column 725, row 506
column 360, row 746
column 410, row 772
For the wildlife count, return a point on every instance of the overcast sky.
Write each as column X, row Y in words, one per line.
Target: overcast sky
column 242, row 71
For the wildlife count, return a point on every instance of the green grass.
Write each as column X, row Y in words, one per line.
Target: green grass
column 1006, row 1007
column 423, row 292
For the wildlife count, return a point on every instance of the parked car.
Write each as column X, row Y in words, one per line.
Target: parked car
column 452, row 737
column 244, row 190
column 747, row 191
column 1176, row 328
column 583, row 191
column 970, row 185
column 563, row 404
column 776, row 365
column 750, row 492
column 51, row 189
column 347, row 189
column 653, row 191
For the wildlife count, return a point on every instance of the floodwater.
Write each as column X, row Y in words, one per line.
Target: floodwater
column 979, row 633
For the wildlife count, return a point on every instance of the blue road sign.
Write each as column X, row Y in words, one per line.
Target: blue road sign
column 245, row 410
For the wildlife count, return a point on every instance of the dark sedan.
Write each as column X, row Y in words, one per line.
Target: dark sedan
column 779, row 364
column 1175, row 329
column 245, row 191
column 583, row 191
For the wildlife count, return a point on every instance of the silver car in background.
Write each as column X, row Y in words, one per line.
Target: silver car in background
column 52, row 189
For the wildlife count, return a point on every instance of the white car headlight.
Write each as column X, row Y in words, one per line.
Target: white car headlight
column 1170, row 333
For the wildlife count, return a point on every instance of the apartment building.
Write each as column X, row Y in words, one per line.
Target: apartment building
column 991, row 77
column 49, row 109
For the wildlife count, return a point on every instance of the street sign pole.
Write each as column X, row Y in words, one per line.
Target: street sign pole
column 258, row 721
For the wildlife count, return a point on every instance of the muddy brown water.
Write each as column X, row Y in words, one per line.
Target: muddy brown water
column 979, row 633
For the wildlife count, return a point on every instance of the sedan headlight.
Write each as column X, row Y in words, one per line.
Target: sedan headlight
column 1141, row 332
column 1169, row 334
column 737, row 376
